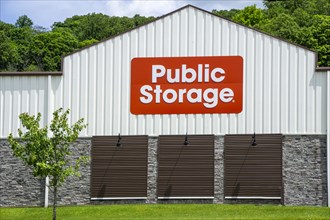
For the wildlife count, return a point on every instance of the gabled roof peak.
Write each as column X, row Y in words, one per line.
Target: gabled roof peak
column 209, row 13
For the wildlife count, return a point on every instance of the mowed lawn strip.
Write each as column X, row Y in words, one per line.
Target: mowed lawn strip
column 169, row 212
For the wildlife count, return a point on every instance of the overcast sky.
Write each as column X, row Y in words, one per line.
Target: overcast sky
column 46, row 12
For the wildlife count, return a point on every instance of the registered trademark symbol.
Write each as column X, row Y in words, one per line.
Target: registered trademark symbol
column 233, row 101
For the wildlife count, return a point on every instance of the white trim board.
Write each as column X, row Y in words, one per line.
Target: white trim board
column 251, row 197
column 192, row 197
column 118, row 198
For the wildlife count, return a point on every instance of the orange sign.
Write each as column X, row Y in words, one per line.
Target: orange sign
column 187, row 85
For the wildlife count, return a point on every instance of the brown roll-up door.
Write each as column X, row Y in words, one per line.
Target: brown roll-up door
column 119, row 171
column 186, row 170
column 253, row 171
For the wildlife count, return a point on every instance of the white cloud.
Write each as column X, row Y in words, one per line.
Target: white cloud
column 45, row 13
column 145, row 8
column 160, row 7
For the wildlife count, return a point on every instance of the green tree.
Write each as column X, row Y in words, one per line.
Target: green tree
column 23, row 21
column 14, row 47
column 310, row 6
column 251, row 16
column 86, row 43
column 23, row 37
column 99, row 26
column 9, row 55
column 95, row 26
column 48, row 48
column 283, row 26
column 70, row 24
column 49, row 155
column 225, row 13
column 320, row 30
column 87, row 27
column 140, row 20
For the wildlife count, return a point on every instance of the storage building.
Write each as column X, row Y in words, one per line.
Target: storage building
column 188, row 108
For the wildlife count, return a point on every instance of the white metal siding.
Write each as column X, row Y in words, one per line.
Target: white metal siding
column 21, row 94
column 328, row 136
column 282, row 91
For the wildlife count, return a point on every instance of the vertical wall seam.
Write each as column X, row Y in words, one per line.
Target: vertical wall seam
column 279, row 86
column 262, row 84
column 70, row 89
column 328, row 136
column 10, row 113
column 1, row 107
column 112, row 86
column 305, row 92
column 128, row 89
column 100, row 82
column 87, row 87
column 120, row 69
column 245, row 70
column 297, row 90
column 254, row 87
column 271, row 77
column 74, row 76
column 95, row 72
column 288, row 95
column 105, row 57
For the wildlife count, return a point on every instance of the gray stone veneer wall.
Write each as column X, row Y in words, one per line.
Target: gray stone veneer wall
column 18, row 186
column 76, row 190
column 304, row 170
column 304, row 176
column 218, row 170
column 152, row 170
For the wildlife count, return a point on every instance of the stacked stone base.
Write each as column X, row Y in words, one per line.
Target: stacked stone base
column 304, row 177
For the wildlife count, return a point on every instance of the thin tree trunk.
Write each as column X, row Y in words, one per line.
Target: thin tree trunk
column 54, row 203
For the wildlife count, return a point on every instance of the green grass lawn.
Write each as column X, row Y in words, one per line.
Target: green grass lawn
column 172, row 211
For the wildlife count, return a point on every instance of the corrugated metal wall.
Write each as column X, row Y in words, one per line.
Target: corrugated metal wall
column 23, row 94
column 253, row 171
column 282, row 91
column 185, row 170
column 119, row 171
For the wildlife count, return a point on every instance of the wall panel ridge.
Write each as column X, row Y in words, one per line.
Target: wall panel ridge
column 328, row 137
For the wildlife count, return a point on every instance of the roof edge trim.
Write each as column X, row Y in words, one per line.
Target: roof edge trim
column 59, row 73
column 322, row 68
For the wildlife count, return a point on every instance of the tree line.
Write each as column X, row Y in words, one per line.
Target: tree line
column 27, row 47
